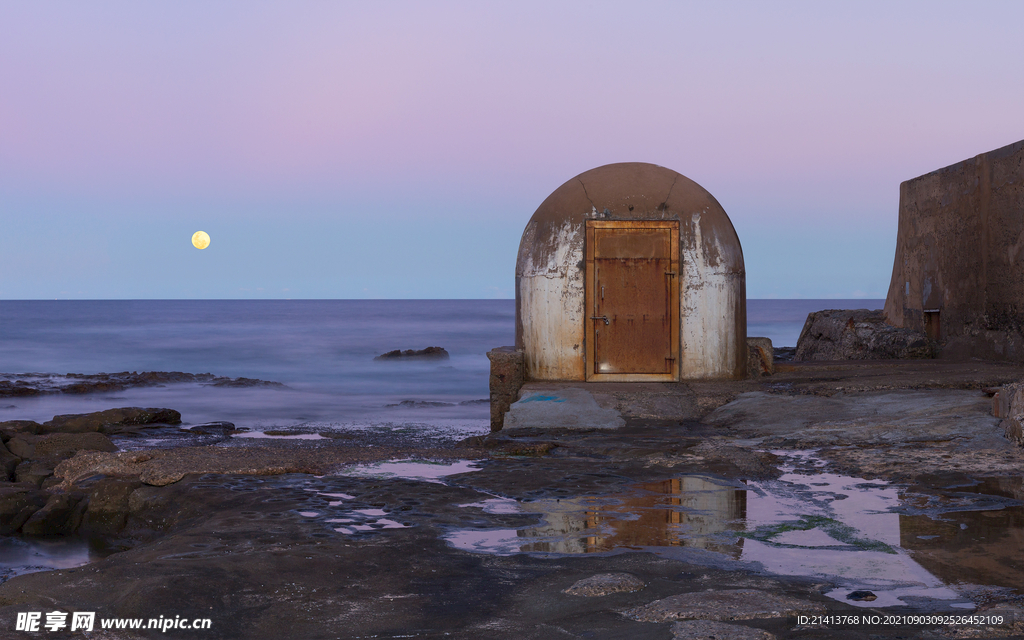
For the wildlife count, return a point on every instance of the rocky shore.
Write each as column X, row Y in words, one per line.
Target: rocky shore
column 35, row 384
column 273, row 538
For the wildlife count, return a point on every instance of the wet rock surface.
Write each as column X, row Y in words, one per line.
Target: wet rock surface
column 729, row 604
column 604, row 583
column 281, row 538
column 34, row 384
column 712, row 630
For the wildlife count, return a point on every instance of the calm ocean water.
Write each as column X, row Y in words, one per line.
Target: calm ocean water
column 321, row 349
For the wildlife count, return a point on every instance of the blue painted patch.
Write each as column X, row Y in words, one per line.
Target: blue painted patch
column 539, row 398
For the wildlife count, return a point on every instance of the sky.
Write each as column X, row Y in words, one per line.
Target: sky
column 398, row 149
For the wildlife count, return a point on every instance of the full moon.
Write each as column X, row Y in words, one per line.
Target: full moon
column 200, row 239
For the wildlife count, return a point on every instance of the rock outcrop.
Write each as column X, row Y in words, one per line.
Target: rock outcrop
column 858, row 334
column 35, row 384
column 109, row 421
column 1008, row 404
column 430, row 353
column 760, row 357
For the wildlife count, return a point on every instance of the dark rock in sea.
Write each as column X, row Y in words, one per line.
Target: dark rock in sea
column 78, row 383
column 858, row 334
column 412, row 404
column 17, row 504
column 212, row 428
column 861, row 596
column 244, row 382
column 10, row 389
column 784, row 354
column 108, row 421
column 430, row 353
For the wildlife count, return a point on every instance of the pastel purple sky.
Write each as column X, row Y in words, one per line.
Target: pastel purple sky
column 397, row 149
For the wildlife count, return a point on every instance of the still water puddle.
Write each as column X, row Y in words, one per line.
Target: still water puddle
column 20, row 555
column 280, row 436
column 905, row 545
column 411, row 469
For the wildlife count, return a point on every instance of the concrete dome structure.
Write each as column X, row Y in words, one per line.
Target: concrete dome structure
column 631, row 272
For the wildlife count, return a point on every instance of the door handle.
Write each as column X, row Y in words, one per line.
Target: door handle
column 605, row 318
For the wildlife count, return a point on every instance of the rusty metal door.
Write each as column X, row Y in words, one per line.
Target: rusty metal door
column 632, row 300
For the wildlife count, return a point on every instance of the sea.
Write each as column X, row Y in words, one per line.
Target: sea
column 322, row 351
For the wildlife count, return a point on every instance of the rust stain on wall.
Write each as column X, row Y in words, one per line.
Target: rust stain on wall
column 551, row 270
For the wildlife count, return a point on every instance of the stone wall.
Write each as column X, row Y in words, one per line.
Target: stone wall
column 958, row 274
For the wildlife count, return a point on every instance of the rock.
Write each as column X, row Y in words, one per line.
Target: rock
column 8, row 463
column 19, row 388
column 17, row 504
column 430, row 353
column 58, row 446
column 783, row 354
column 1012, row 431
column 729, row 604
column 61, row 515
column 151, row 507
column 861, row 595
column 108, row 505
column 568, row 408
column 858, row 334
column 1008, row 403
column 107, row 420
column 244, row 382
column 711, row 630
column 604, row 583
column 78, row 383
column 33, row 471
column 23, row 445
column 212, row 428
column 508, row 372
column 760, row 357
column 10, row 428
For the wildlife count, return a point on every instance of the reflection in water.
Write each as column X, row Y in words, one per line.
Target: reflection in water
column 969, row 535
column 905, row 547
column 838, row 527
column 690, row 511
column 19, row 555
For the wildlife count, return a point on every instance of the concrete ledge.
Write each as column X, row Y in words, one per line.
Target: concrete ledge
column 568, row 408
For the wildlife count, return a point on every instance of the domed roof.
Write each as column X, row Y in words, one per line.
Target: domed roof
column 632, row 191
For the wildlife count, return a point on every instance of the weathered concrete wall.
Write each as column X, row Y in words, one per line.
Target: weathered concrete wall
column 550, row 296
column 960, row 254
column 507, row 376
